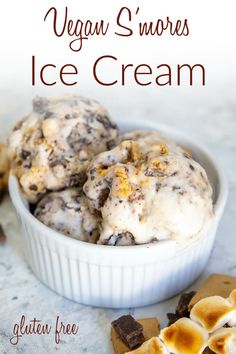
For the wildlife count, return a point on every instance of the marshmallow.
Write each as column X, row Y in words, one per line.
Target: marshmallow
column 185, row 337
column 212, row 312
column 223, row 341
column 232, row 299
column 151, row 346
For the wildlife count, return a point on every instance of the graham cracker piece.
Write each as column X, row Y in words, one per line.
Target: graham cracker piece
column 216, row 284
column 151, row 328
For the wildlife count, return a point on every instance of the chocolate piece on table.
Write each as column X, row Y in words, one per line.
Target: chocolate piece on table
column 2, row 235
column 216, row 284
column 182, row 308
column 129, row 331
column 151, row 328
column 172, row 317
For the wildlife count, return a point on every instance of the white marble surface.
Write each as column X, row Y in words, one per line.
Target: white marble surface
column 214, row 123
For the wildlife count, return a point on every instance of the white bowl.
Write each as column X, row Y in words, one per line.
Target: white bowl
column 119, row 276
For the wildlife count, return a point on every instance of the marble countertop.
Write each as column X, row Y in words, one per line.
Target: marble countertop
column 22, row 294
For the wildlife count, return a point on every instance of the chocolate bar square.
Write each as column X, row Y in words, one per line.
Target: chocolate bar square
column 129, row 331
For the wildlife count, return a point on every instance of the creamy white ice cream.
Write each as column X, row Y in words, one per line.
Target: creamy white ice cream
column 148, row 190
column 51, row 147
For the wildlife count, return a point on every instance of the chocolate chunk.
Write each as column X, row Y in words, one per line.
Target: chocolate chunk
column 103, row 196
column 25, row 154
column 33, row 187
column 105, row 121
column 111, row 144
column 182, row 309
column 129, row 331
column 77, row 179
column 2, row 235
column 122, row 239
column 172, row 317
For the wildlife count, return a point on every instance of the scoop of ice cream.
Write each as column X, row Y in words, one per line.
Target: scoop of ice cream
column 4, row 168
column 146, row 192
column 66, row 212
column 51, row 147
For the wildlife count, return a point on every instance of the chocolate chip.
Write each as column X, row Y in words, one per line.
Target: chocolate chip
column 76, row 141
column 77, row 179
column 111, row 144
column 129, row 331
column 105, row 121
column 103, row 197
column 55, row 161
column 172, row 317
column 153, row 172
column 182, row 309
column 25, row 154
column 175, row 188
column 174, row 174
column 124, row 238
column 33, row 187
column 121, row 239
column 136, row 195
column 191, row 167
column 158, row 186
column 2, row 235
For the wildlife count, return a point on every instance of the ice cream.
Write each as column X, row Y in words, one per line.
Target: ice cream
column 66, row 211
column 51, row 147
column 148, row 190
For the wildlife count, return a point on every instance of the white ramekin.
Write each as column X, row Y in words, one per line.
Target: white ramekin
column 119, row 276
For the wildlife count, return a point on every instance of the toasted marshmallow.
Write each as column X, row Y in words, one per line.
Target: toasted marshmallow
column 212, row 313
column 185, row 337
column 232, row 299
column 151, row 346
column 223, row 341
